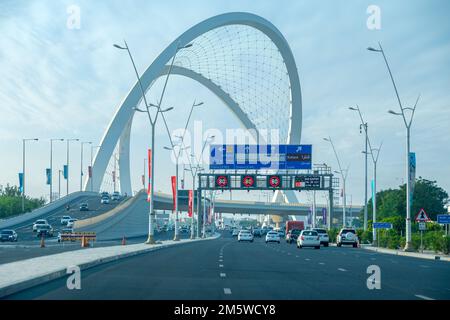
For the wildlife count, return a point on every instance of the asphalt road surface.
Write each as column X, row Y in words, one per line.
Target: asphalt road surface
column 11, row 253
column 226, row 269
column 27, row 236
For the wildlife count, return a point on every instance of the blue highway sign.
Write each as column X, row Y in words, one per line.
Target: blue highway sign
column 443, row 218
column 257, row 157
column 382, row 225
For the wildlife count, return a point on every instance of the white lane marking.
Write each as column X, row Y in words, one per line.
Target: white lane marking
column 321, row 263
column 373, row 258
column 423, row 266
column 227, row 290
column 223, row 275
column 296, row 256
column 220, row 260
column 289, row 253
column 220, row 265
column 423, row 297
column 308, row 259
column 342, row 269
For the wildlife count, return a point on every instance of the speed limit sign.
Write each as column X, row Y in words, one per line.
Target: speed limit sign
column 274, row 181
column 221, row 181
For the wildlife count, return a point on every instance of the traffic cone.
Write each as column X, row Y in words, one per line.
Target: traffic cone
column 42, row 242
column 124, row 242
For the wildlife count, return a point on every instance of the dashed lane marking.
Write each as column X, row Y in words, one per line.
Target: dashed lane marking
column 223, row 275
column 227, row 290
column 220, row 265
column 423, row 297
column 342, row 269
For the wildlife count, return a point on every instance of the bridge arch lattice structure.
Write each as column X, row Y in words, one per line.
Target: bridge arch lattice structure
column 243, row 59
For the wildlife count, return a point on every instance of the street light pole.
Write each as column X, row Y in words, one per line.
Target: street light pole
column 152, row 121
column 51, row 167
column 81, row 163
column 67, row 164
column 23, row 171
column 344, row 178
column 408, row 123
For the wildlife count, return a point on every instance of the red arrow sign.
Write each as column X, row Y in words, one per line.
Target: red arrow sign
column 422, row 216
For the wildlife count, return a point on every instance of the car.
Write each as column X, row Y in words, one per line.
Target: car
column 272, row 236
column 84, row 207
column 8, row 235
column 104, row 200
column 308, row 238
column 64, row 219
column 44, row 230
column 347, row 236
column 245, row 235
column 115, row 196
column 324, row 238
column 71, row 222
column 257, row 233
column 38, row 223
column 281, row 233
column 292, row 235
column 64, row 231
column 235, row 233
column 104, row 194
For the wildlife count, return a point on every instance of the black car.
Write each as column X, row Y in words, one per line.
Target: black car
column 293, row 235
column 8, row 235
column 257, row 233
column 44, row 230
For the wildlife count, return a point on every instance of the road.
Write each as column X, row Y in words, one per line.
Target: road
column 27, row 236
column 226, row 269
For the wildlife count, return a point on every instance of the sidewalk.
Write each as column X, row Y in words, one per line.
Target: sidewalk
column 431, row 256
column 24, row 274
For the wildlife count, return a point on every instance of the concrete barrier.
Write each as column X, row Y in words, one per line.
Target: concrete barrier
column 111, row 213
column 33, row 215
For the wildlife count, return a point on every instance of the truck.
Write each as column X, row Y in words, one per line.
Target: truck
column 290, row 225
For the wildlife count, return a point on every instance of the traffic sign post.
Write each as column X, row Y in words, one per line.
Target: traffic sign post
column 422, row 218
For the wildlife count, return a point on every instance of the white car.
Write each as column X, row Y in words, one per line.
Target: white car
column 245, row 235
column 234, row 233
column 308, row 238
column 64, row 219
column 39, row 222
column 71, row 222
column 115, row 196
column 104, row 200
column 272, row 236
column 347, row 236
column 324, row 238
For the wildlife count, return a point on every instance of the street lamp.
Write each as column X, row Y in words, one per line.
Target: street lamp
column 81, row 163
column 365, row 126
column 152, row 121
column 51, row 167
column 23, row 170
column 67, row 164
column 374, row 195
column 408, row 123
column 177, row 155
column 344, row 178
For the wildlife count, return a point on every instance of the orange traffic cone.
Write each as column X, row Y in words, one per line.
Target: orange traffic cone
column 124, row 242
column 42, row 242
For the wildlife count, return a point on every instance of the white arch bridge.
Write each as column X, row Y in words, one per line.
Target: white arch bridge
column 240, row 57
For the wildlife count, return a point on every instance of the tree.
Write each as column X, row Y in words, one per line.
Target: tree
column 427, row 195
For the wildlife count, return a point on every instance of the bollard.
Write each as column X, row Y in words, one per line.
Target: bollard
column 42, row 242
column 123, row 241
column 83, row 243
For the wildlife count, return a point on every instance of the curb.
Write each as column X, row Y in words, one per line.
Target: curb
column 41, row 279
column 408, row 254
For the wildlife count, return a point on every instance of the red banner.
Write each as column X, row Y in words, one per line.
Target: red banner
column 114, row 176
column 190, row 203
column 174, row 186
column 149, row 173
column 90, row 171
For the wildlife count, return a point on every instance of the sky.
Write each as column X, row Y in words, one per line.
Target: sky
column 63, row 82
